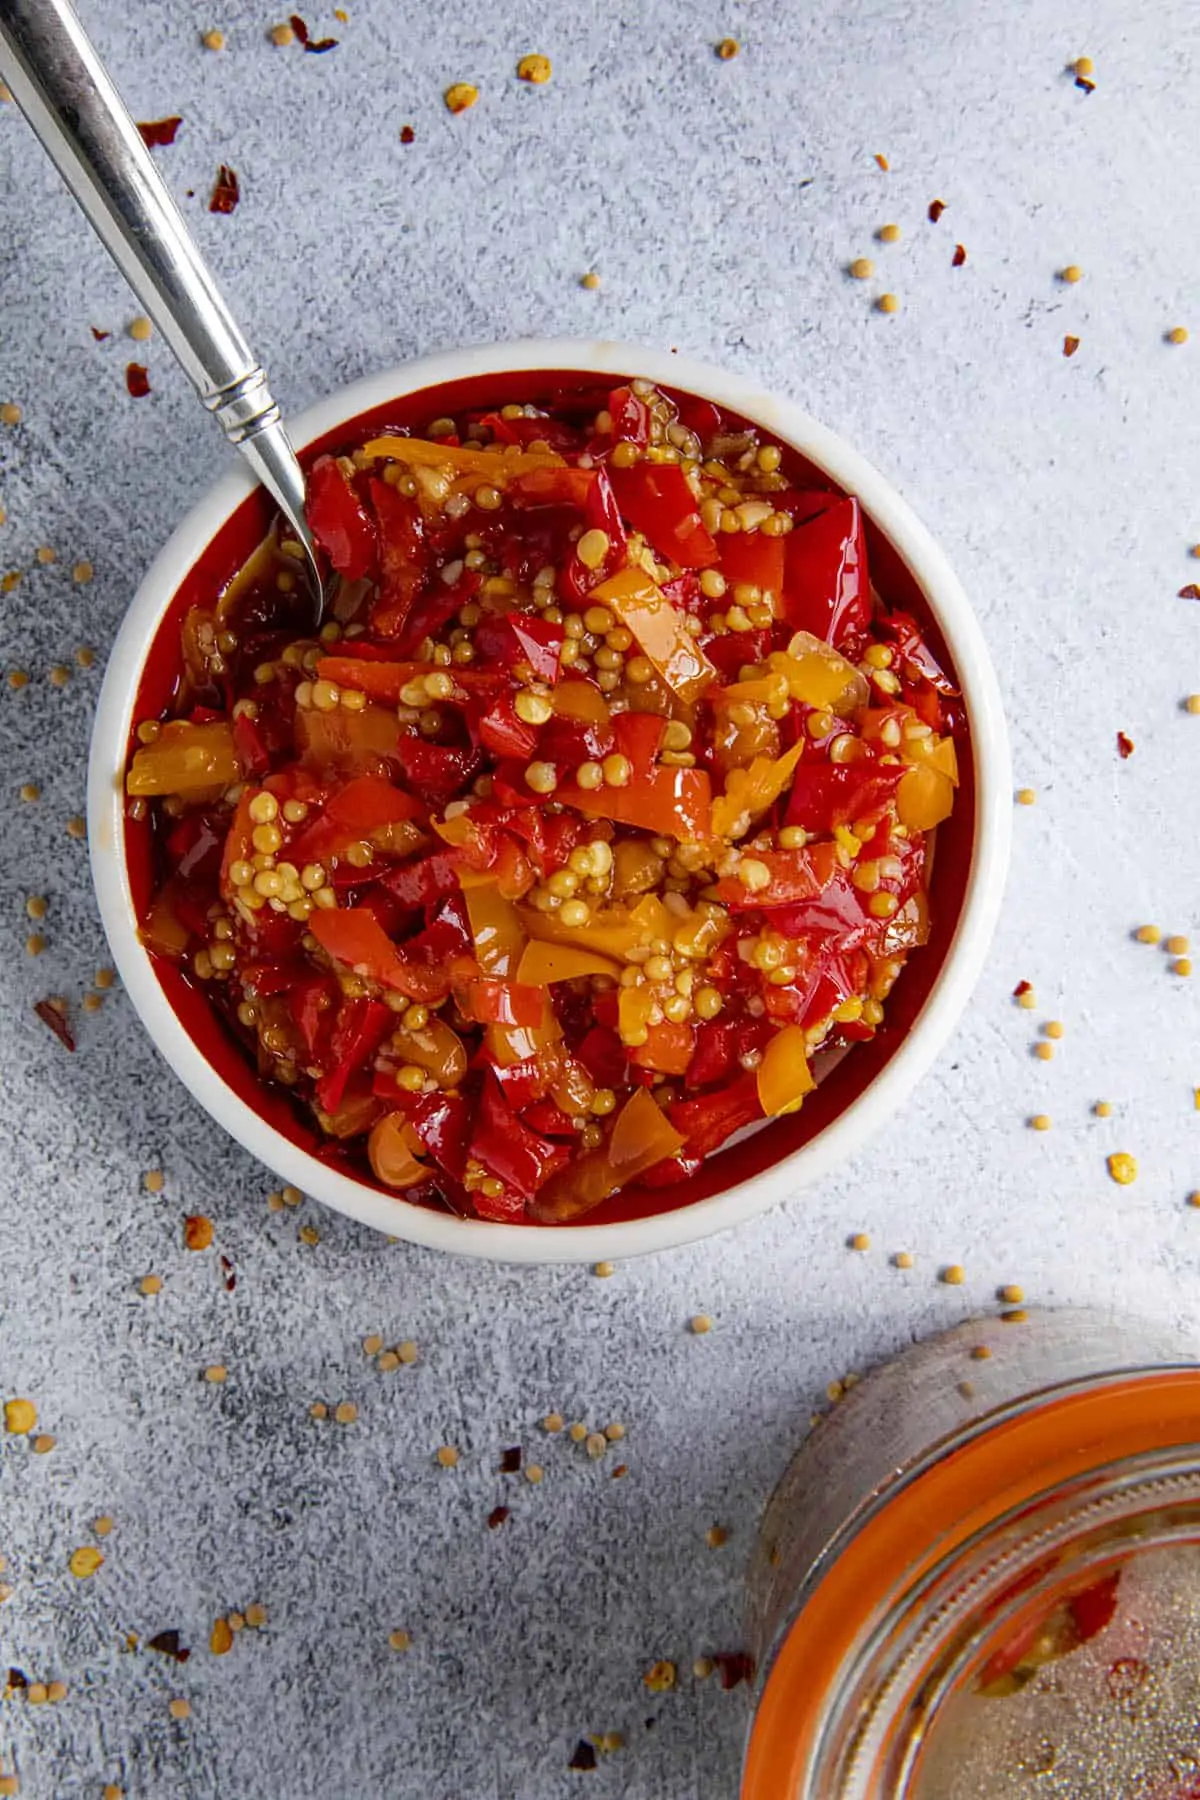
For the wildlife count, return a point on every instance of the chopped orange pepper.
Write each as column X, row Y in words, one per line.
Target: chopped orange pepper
column 611, row 932
column 784, row 1076
column 668, row 1048
column 644, row 609
column 752, row 790
column 819, row 675
column 389, row 1151
column 641, row 1137
column 668, row 802
column 580, row 700
column 542, row 963
column 495, row 926
column 185, row 759
column 492, row 464
column 924, row 798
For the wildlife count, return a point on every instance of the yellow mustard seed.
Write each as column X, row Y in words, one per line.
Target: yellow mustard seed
column 10, row 413
column 447, row 1456
column 46, row 555
column 590, row 280
column 1148, row 934
column 953, row 1275
column 1178, row 334
column 345, row 1412
column 43, row 1444
column 862, row 268
column 1176, row 945
column 699, row 1324
column 1192, row 704
column 860, row 1241
column 888, row 234
column 1181, row 966
column 400, row 1640
column 903, row 1259
column 216, row 1373
column 552, row 1423
column 30, row 791
column 887, row 303
column 1044, row 1052
column 1054, row 1028
column 281, row 36
column 77, row 828
column 1027, row 1001
column 980, row 1353
column 85, row 1561
column 604, row 1270
column 1122, row 1167
column 20, row 1417
column 577, row 1433
column 1026, row 797
column 460, row 96
column 35, row 943
column 180, row 1709
column 213, row 40
column 1011, row 1294
column 1193, row 1199
column 727, row 49
column 534, row 69
column 256, row 1616
column 1103, row 1109
column 535, row 1474
column 1083, row 65
column 82, row 573
column 140, row 329
column 150, row 1284
column 660, row 1679
column 1071, row 274
column 1040, row 1122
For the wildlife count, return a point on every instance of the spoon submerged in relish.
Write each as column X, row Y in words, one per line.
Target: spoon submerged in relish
column 69, row 99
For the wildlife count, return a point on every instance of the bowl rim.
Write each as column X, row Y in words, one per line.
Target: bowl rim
column 951, row 987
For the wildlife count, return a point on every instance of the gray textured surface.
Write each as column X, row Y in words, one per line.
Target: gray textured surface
column 720, row 203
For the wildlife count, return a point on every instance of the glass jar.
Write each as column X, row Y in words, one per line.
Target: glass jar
column 980, row 1576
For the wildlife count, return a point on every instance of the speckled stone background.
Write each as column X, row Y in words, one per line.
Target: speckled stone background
column 719, row 202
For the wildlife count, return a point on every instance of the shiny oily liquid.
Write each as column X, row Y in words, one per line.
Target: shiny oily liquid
column 1117, row 1718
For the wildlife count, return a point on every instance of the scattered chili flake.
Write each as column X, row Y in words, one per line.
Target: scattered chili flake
column 85, row 1561
column 317, row 46
column 99, row 335
column 734, row 1667
column 727, row 49
column 228, row 1273
column 621, row 1469
column 221, row 1639
column 53, row 1015
column 1123, row 1167
column 583, row 1757
column 43, row 1444
column 1124, row 746
column 400, row 1640
column 137, row 380
column 460, row 96
column 534, row 69
column 1070, row 346
column 1022, row 987
column 1190, row 592
column 660, row 1679
column 167, row 1643
column 159, row 131
column 1082, row 82
column 407, row 134
column 197, row 1232
column 510, row 1460
column 497, row 1516
column 936, row 209
column 959, row 257
column 226, row 193
column 20, row 1417
column 883, row 162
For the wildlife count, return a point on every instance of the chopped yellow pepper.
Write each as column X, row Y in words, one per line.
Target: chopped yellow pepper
column 659, row 628
column 495, row 926
column 752, row 790
column 784, row 1076
column 924, row 797
column 819, row 676
column 185, row 759
column 542, row 963
column 492, row 464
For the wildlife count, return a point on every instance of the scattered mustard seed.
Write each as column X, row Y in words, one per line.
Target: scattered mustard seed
column 84, row 1561
column 727, row 49
column 10, row 413
column 274, row 1202
column 281, row 36
column 1027, row 1001
column 590, row 280
column 408, row 1352
column 552, row 1423
column 661, row 1678
column 197, row 1232
column 1148, row 934
column 36, row 1693
column 20, row 1417
column 703, row 1667
column 715, row 1536
column 862, row 268
column 35, row 943
column 217, row 1373
column 534, row 69
column 150, row 1284
column 1177, row 945
column 103, row 1525
column 1181, row 966
column 535, row 1473
column 834, row 1391
column 291, row 1196
column 77, row 828
column 17, row 678
column 1040, row 1122
column 318, row 1410
column 113, row 1792
column 1071, row 274
column 1016, row 1315
column 447, row 1456
column 1011, row 1294
column 860, row 1241
column 595, row 1444
column 213, row 40
column 308, row 1234
column 256, row 1616
column 82, row 573
column 577, row 1432
column 1044, row 1052
column 30, row 791
column 604, row 1270
column 345, row 1412
column 43, row 1444
column 236, row 1622
column 220, row 1640
column 980, row 1353
column 614, row 1432
column 460, row 96
column 57, row 1690
column 387, row 1362
column 1026, row 797
column 1178, row 334
column 104, row 978
column 699, row 1324
column 1103, row 1109
column 1192, row 704
column 903, row 1259
column 140, row 328
column 400, row 1640
column 887, row 303
column 888, row 234
column 953, row 1275
column 180, row 1709
column 372, row 1344
column 1083, row 65
column 46, row 555
column 1122, row 1167
column 1054, row 1028
column 60, row 674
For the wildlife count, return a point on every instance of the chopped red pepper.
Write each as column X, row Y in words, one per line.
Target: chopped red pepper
column 339, row 520
column 157, row 132
column 511, row 1153
column 137, row 380
column 658, row 502
column 226, row 192
column 826, row 586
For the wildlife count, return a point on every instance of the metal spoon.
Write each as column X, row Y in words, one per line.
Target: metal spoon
column 66, row 94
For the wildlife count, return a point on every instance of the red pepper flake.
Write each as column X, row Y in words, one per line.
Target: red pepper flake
column 1124, row 746
column 734, row 1667
column 1086, row 86
column 226, row 193
column 228, row 1274
column 53, row 1014
column 100, row 335
column 1070, row 346
column 584, row 1757
column 496, row 1517
column 137, row 380
column 159, row 131
column 510, row 1461
column 1190, row 592
column 959, row 257
column 936, row 209
column 407, row 134
column 883, row 162
column 167, row 1644
column 1022, row 987
column 317, row 45
column 621, row 1469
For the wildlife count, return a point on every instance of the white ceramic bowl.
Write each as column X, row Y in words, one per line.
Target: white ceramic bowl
column 947, row 978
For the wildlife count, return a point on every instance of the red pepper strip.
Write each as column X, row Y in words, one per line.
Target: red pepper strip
column 441, row 1121
column 750, row 557
column 194, row 848
column 262, row 979
column 249, row 748
column 657, row 501
column 507, row 1208
column 554, row 432
column 314, row 1004
column 603, row 1056
column 502, row 733
column 516, row 637
column 569, row 742
column 630, row 418
column 707, row 1121
column 524, row 1082
column 733, row 650
column 826, row 587
column 546, row 1118
column 638, row 736
column 668, row 1048
column 431, row 611
column 670, row 1172
column 718, row 1045
column 490, row 1001
column 825, row 795
column 795, row 875
column 913, row 648
column 380, row 681
column 508, row 1150
column 666, row 802
column 436, row 772
column 641, row 1138
column 422, row 882
column 700, row 416
column 339, row 520
column 552, row 487
column 361, row 1028
column 354, row 936
column 364, row 805
column 239, row 845
column 348, row 743
column 402, row 561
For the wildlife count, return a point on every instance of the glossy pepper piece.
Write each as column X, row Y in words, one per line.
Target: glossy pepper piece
column 338, row 520
column 659, row 629
column 826, row 588
column 657, row 501
column 641, row 1137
